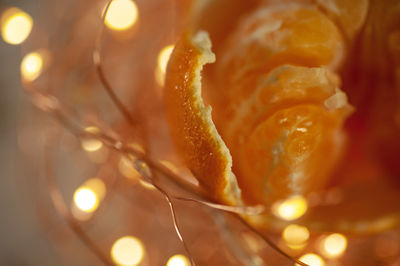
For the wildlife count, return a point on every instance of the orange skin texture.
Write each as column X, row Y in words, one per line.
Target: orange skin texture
column 189, row 131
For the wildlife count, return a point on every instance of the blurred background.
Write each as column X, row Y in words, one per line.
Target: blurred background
column 69, row 199
column 23, row 241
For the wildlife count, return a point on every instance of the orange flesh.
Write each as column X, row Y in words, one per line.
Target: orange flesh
column 278, row 106
column 257, row 84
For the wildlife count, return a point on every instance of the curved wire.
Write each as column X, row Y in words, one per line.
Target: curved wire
column 100, row 72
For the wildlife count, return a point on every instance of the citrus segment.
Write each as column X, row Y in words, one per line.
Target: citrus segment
column 291, row 152
column 281, row 34
column 350, row 15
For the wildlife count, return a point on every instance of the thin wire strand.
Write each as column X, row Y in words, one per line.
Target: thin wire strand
column 100, row 72
column 175, row 221
column 270, row 242
column 244, row 210
column 64, row 118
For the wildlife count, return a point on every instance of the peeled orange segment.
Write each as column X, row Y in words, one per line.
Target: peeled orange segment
column 283, row 87
column 350, row 15
column 281, row 34
column 251, row 128
column 291, row 152
column 190, row 121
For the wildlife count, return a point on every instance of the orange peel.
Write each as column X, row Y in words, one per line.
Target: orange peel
column 190, row 120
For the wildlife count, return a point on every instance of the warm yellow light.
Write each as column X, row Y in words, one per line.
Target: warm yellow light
column 121, row 15
column 178, row 260
column 127, row 251
column 312, row 260
column 85, row 199
column 146, row 185
column 295, row 236
column 334, row 245
column 125, row 167
column 31, row 66
column 162, row 62
column 290, row 209
column 91, row 144
column 16, row 25
column 163, row 57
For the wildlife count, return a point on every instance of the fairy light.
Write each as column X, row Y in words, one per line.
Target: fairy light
column 311, row 259
column 291, row 208
column 163, row 57
column 127, row 251
column 295, row 236
column 162, row 62
column 146, row 185
column 126, row 168
column 91, row 144
column 334, row 245
column 16, row 25
column 178, row 260
column 88, row 196
column 31, row 66
column 121, row 15
column 85, row 199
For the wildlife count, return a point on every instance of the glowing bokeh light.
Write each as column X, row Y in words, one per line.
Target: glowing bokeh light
column 312, row 260
column 146, row 185
column 121, row 15
column 163, row 57
column 31, row 66
column 91, row 144
column 127, row 251
column 85, row 199
column 291, row 208
column 334, row 245
column 126, row 168
column 295, row 236
column 16, row 25
column 162, row 62
column 178, row 260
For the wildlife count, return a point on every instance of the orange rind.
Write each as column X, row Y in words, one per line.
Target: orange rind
column 191, row 125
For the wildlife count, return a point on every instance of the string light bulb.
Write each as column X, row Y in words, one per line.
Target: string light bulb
column 291, row 208
column 311, row 259
column 295, row 236
column 121, row 15
column 88, row 196
column 91, row 144
column 31, row 66
column 85, row 199
column 178, row 260
column 16, row 25
column 162, row 62
column 127, row 251
column 334, row 245
column 125, row 167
